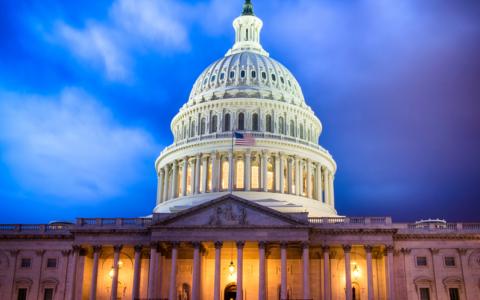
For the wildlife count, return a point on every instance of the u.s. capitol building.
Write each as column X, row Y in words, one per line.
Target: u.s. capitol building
column 245, row 209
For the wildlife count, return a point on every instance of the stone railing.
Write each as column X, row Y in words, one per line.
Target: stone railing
column 35, row 228
column 351, row 221
column 439, row 227
column 256, row 134
column 113, row 222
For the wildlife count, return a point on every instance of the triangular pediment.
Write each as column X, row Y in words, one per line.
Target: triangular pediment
column 230, row 211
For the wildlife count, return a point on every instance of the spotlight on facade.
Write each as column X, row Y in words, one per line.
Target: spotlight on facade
column 231, row 268
column 356, row 273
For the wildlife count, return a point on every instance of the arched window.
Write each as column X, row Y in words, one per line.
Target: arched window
column 226, row 123
column 242, row 74
column 309, row 135
column 184, row 131
column 292, row 128
column 202, row 126
column 301, row 131
column 281, row 125
column 241, row 121
column 213, row 125
column 192, row 129
column 254, row 74
column 232, row 74
column 269, row 124
column 255, row 122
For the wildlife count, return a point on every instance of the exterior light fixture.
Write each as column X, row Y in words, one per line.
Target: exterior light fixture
column 231, row 268
column 356, row 271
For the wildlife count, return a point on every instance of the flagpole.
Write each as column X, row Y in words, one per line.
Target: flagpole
column 231, row 167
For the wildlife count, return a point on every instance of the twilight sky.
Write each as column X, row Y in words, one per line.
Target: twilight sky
column 88, row 89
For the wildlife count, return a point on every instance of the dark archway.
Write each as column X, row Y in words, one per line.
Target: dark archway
column 230, row 292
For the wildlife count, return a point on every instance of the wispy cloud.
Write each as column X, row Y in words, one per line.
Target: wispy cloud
column 70, row 147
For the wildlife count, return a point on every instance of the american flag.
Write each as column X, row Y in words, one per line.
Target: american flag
column 244, row 139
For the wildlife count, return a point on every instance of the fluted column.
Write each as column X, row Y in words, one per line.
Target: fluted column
column 348, row 272
column 152, row 271
column 283, row 271
column 197, row 175
column 390, row 286
column 160, row 186
column 297, row 176
column 248, row 169
column 196, row 271
column 204, row 173
column 231, row 168
column 331, row 190
column 218, row 261
column 173, row 273
column 368, row 251
column 137, row 265
column 73, row 271
column 174, row 186
column 306, row 270
column 240, row 245
column 264, row 170
column 261, row 271
column 280, row 171
column 214, row 172
column 309, row 178
column 326, row 273
column 116, row 259
column 93, row 285
column 165, row 184
column 325, row 185
column 289, row 175
column 184, row 176
column 319, row 183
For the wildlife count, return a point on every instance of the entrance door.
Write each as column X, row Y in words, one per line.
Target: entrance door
column 230, row 292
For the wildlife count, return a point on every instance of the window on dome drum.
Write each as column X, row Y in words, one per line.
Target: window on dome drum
column 232, row 74
column 239, row 173
column 48, row 294
column 269, row 125
column 226, row 123
column 264, row 75
column 255, row 122
column 301, row 131
column 213, row 125
column 292, row 128
column 192, row 129
column 254, row 74
column 242, row 74
column 209, row 176
column 213, row 78
column 282, row 80
column 255, row 174
column 184, row 131
column 22, row 294
column 424, row 294
column 421, row 261
column 454, row 294
column 449, row 261
column 25, row 263
column 225, row 174
column 222, row 76
column 205, row 81
column 241, row 121
column 289, row 84
column 246, row 34
column 274, row 78
column 202, row 126
column 51, row 263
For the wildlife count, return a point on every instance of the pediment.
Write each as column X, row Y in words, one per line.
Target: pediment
column 230, row 211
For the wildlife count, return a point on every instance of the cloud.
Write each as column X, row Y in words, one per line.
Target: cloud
column 70, row 147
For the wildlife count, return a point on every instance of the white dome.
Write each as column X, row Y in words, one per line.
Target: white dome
column 246, row 74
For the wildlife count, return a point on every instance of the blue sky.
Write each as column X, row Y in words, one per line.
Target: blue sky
column 88, row 89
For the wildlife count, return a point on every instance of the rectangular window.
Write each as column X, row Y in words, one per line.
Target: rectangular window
column 240, row 176
column 454, row 294
column 209, row 176
column 200, row 188
column 25, row 263
column 421, row 261
column 189, row 179
column 449, row 261
column 51, row 263
column 424, row 294
column 22, row 294
column 48, row 294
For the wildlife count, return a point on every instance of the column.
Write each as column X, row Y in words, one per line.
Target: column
column 231, row 168
column 165, row 184
column 276, row 173
column 283, row 271
column 248, row 169
column 173, row 273
column 73, row 275
column 309, row 178
column 240, row 245
column 160, row 186
column 261, row 271
column 462, row 252
column 174, row 186
column 325, row 186
column 93, row 285
column 390, row 287
column 289, row 175
column 326, row 273
column 319, row 183
column 330, row 190
column 368, row 251
column 348, row 272
column 204, row 173
column 197, row 175
column 216, row 282
column 214, row 172
column 281, row 167
column 264, row 170
column 137, row 265
column 196, row 271
column 306, row 270
column 184, row 176
column 152, row 271
column 116, row 258
column 297, row 176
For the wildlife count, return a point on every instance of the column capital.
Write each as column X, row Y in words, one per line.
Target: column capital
column 368, row 248
column 197, row 245
column 347, row 248
column 388, row 249
column 326, row 248
column 262, row 244
column 198, row 156
column 405, row 250
column 14, row 252
column 265, row 152
column 218, row 245
column 462, row 251
column 283, row 245
column 138, row 248
column 240, row 244
column 281, row 154
column 117, row 248
column 40, row 252
column 76, row 248
column 174, row 244
column 248, row 153
column 434, row 250
column 65, row 252
column 305, row 244
column 97, row 248
column 205, row 156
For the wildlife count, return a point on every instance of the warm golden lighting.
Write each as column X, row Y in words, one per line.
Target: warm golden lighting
column 231, row 268
column 240, row 174
column 356, row 272
column 225, row 174
column 111, row 273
